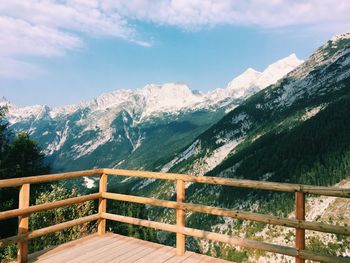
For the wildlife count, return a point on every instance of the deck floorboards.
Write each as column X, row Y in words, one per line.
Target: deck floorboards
column 116, row 248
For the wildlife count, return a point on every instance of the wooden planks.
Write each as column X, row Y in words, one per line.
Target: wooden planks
column 242, row 242
column 115, row 249
column 42, row 255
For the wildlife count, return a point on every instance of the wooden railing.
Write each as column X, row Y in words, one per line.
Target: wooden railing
column 299, row 223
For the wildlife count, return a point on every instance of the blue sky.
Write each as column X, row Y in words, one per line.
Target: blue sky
column 62, row 52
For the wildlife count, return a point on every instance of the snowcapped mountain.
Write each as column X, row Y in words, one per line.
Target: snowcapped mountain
column 166, row 98
column 123, row 125
column 313, row 78
column 252, row 80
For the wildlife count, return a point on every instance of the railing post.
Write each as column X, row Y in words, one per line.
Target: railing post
column 300, row 215
column 180, row 217
column 23, row 224
column 102, row 204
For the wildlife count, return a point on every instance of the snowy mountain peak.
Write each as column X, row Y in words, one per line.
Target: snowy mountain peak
column 341, row 36
column 254, row 80
column 278, row 69
column 246, row 80
column 284, row 64
column 250, row 71
column 167, row 97
column 156, row 89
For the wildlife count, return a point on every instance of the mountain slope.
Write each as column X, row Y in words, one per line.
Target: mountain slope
column 297, row 130
column 316, row 82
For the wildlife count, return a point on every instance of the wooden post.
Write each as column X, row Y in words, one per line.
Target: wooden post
column 102, row 204
column 180, row 217
column 299, row 215
column 23, row 224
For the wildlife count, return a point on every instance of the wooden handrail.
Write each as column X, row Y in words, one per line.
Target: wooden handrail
column 43, row 207
column 181, row 207
column 48, row 178
column 50, row 229
column 261, row 185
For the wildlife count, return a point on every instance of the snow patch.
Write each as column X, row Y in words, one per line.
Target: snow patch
column 89, row 183
column 190, row 151
column 209, row 162
column 312, row 112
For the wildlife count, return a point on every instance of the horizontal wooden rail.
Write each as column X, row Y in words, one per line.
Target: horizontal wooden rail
column 47, row 230
column 61, row 226
column 262, row 218
column 225, row 239
column 273, row 186
column 47, row 178
column 43, row 207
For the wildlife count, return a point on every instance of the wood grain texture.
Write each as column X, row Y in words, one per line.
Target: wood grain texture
column 102, row 205
column 113, row 248
column 263, row 185
column 180, row 217
column 23, row 224
column 299, row 215
column 283, row 187
column 48, row 178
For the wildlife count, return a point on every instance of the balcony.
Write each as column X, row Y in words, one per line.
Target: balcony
column 100, row 246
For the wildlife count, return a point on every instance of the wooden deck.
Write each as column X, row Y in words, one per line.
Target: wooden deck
column 116, row 248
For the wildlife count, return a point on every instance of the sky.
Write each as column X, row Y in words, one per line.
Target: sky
column 59, row 52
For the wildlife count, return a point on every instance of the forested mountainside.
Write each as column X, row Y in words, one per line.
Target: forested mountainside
column 139, row 129
column 297, row 130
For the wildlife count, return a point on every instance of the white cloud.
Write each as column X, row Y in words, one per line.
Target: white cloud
column 19, row 37
column 262, row 13
column 51, row 28
column 54, row 27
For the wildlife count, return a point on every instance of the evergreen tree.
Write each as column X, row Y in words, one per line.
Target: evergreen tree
column 19, row 157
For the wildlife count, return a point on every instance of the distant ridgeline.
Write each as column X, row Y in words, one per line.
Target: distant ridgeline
column 294, row 128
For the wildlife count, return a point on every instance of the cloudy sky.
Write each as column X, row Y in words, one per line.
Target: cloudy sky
column 64, row 51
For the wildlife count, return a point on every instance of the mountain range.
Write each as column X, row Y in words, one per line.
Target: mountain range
column 123, row 128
